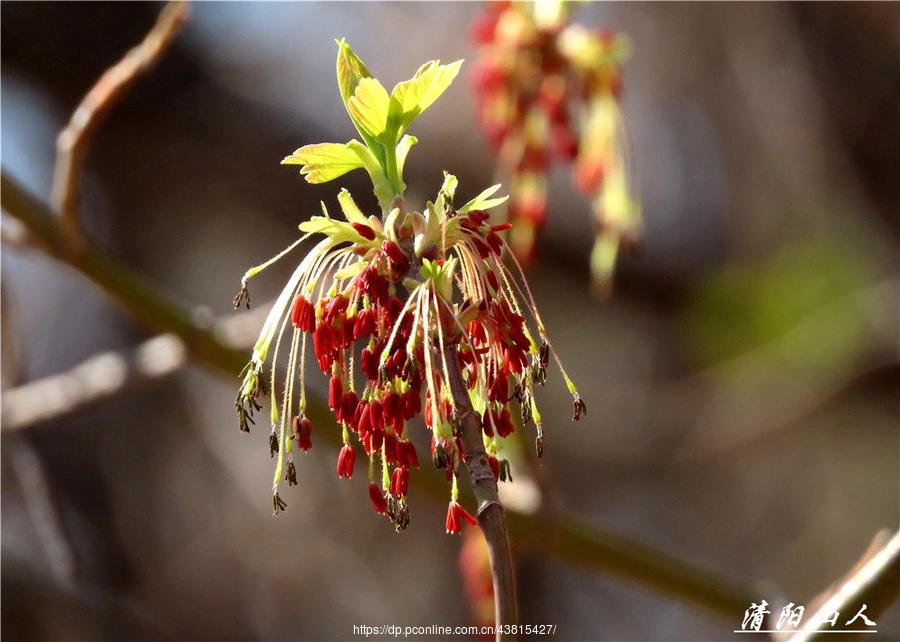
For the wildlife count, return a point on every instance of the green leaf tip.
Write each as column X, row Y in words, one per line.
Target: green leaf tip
column 411, row 97
column 350, row 70
column 323, row 162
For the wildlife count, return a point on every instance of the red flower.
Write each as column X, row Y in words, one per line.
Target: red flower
column 303, row 314
column 400, row 481
column 364, row 231
column 390, row 447
column 369, row 362
column 399, row 261
column 302, row 429
column 379, row 501
column 419, row 296
column 365, row 324
column 495, row 466
column 346, row 459
column 456, row 512
column 406, row 454
column 335, row 392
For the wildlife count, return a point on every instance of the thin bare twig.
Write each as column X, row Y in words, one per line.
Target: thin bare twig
column 571, row 541
column 73, row 141
column 100, row 377
column 491, row 515
column 873, row 581
column 41, row 508
column 107, row 374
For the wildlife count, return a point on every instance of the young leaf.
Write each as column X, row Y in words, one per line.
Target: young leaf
column 445, row 196
column 350, row 70
column 351, row 209
column 411, row 97
column 338, row 231
column 483, row 200
column 403, row 148
column 368, row 106
column 324, row 161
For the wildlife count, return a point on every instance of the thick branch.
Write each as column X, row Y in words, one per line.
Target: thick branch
column 491, row 516
column 72, row 142
column 571, row 541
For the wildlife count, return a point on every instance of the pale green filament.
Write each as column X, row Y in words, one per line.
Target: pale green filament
column 302, row 373
column 272, row 387
column 440, row 334
column 261, row 349
column 249, row 274
column 286, row 410
column 385, row 469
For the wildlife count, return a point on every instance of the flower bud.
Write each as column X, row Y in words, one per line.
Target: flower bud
column 335, row 392
column 346, row 459
column 379, row 502
column 302, row 427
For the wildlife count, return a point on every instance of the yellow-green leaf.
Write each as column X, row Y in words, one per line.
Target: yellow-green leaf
column 483, row 201
column 323, row 162
column 351, row 209
column 350, row 70
column 368, row 106
column 411, row 97
column 403, row 148
column 339, row 231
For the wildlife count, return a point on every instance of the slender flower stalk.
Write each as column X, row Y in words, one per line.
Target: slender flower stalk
column 405, row 313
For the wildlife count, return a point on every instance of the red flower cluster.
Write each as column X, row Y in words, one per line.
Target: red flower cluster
column 400, row 307
column 535, row 74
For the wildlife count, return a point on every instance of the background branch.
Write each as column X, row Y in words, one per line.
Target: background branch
column 72, row 142
column 105, row 375
column 874, row 581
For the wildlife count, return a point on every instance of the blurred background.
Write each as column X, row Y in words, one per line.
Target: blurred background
column 742, row 382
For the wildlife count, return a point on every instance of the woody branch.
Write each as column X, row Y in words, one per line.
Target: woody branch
column 491, row 515
column 73, row 141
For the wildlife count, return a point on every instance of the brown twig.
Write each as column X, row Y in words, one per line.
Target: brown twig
column 73, row 141
column 491, row 515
